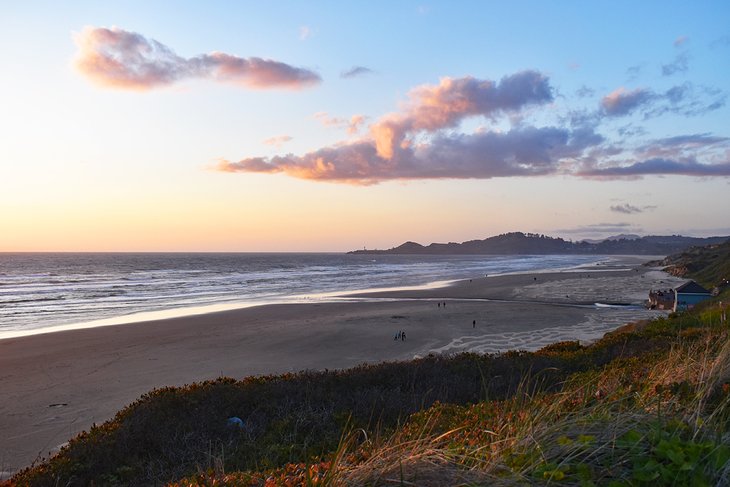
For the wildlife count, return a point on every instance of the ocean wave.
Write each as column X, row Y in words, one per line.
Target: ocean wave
column 67, row 289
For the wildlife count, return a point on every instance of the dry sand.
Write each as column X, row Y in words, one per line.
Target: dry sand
column 53, row 386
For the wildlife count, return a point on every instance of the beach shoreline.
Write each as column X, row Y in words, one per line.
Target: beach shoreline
column 57, row 384
column 328, row 296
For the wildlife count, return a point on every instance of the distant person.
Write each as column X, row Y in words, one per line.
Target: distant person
column 439, row 304
column 474, row 324
column 444, row 304
column 403, row 336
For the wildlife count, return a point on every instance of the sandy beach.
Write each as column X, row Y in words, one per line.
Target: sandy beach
column 57, row 384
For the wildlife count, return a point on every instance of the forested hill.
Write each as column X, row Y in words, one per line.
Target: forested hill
column 709, row 265
column 517, row 243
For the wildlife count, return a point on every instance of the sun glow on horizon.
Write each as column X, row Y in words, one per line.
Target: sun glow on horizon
column 336, row 140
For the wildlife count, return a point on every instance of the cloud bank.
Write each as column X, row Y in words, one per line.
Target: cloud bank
column 660, row 167
column 117, row 58
column 425, row 138
column 413, row 144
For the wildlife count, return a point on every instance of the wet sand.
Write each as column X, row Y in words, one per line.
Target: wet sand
column 52, row 386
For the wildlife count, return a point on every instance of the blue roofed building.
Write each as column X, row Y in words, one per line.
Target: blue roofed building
column 688, row 295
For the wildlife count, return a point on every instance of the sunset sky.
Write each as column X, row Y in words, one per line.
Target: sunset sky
column 330, row 126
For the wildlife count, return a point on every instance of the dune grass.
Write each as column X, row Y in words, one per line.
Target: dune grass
column 660, row 418
column 646, row 404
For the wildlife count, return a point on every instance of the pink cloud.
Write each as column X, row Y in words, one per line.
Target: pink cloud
column 525, row 151
column 355, row 123
column 622, row 102
column 422, row 140
column 391, row 151
column 431, row 108
column 121, row 59
column 278, row 141
column 352, row 125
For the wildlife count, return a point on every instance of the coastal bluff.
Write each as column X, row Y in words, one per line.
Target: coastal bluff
column 519, row 243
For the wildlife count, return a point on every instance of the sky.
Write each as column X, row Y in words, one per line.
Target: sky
column 332, row 126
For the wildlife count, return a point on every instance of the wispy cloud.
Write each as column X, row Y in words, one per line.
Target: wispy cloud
column 634, row 71
column 628, row 209
column 680, row 41
column 600, row 229
column 698, row 155
column 680, row 64
column 707, row 146
column 352, row 125
column 585, row 92
column 278, row 140
column 682, row 99
column 622, row 101
column 356, row 72
column 117, row 58
column 659, row 166
column 305, row 32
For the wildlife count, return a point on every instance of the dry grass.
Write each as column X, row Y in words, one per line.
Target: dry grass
column 552, row 433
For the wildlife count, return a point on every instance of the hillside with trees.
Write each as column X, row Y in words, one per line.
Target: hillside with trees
column 518, row 243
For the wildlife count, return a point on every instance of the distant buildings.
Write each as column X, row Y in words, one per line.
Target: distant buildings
column 661, row 299
column 680, row 298
column 689, row 294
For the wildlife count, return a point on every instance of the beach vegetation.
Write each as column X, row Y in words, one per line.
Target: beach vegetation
column 648, row 404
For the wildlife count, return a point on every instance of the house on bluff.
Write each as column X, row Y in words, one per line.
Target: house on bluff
column 680, row 298
column 688, row 295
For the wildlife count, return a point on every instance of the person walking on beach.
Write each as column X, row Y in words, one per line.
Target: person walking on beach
column 474, row 323
column 403, row 336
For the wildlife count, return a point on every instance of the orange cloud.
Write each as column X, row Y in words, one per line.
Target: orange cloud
column 431, row 108
column 389, row 151
column 352, row 125
column 121, row 59
column 525, row 151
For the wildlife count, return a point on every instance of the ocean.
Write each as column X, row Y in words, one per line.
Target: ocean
column 41, row 292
